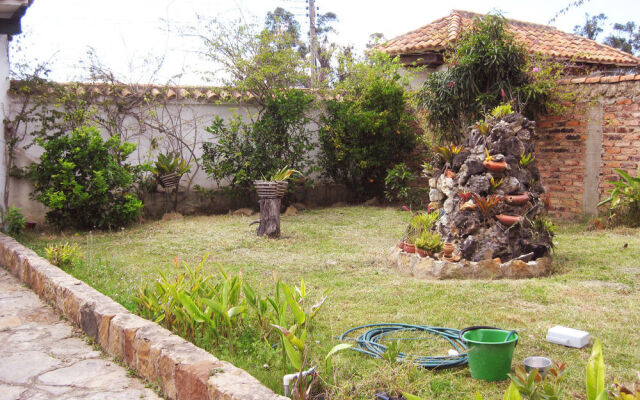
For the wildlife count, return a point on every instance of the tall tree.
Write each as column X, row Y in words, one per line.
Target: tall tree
column 625, row 37
column 592, row 26
column 282, row 22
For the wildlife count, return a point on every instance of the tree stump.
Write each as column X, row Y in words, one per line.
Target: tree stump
column 269, row 217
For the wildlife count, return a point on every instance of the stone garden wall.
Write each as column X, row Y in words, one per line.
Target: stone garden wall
column 577, row 152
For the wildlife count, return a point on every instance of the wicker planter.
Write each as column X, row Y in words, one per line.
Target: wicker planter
column 169, row 181
column 266, row 189
column 282, row 187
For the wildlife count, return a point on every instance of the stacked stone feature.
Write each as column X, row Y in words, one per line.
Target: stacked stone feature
column 478, row 238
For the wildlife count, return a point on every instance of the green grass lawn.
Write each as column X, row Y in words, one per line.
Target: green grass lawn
column 595, row 288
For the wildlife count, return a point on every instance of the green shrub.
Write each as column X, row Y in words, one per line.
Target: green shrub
column 243, row 152
column 488, row 67
column 398, row 182
column 63, row 255
column 369, row 129
column 624, row 199
column 84, row 180
column 13, row 222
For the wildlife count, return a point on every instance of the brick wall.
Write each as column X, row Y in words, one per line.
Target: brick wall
column 578, row 151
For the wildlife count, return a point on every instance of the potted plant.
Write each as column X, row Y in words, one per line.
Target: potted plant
column 428, row 243
column 491, row 165
column 508, row 219
column 276, row 185
column 169, row 169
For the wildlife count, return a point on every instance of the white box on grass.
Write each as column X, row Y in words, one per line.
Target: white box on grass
column 568, row 336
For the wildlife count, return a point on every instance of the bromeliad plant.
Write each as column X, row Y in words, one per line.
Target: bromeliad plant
column 284, row 174
column 496, row 184
column 170, row 163
column 449, row 152
column 486, row 204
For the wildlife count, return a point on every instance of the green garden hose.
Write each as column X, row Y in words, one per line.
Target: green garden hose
column 370, row 343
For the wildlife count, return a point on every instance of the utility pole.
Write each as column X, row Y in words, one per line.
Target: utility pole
column 314, row 42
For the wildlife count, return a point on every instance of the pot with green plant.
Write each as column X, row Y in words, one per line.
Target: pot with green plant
column 428, row 243
column 169, row 169
column 276, row 185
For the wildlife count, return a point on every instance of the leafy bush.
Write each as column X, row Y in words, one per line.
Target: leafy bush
column 13, row 222
column 63, row 255
column 398, row 182
column 243, row 152
column 84, row 181
column 488, row 67
column 368, row 130
column 624, row 199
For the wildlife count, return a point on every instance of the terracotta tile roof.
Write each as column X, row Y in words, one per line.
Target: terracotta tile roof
column 197, row 94
column 544, row 39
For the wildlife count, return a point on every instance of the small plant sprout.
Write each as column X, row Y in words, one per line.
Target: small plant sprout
column 496, row 184
column 483, row 127
column 489, row 157
column 526, row 159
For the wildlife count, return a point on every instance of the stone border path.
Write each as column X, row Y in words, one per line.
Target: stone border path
column 181, row 370
column 44, row 357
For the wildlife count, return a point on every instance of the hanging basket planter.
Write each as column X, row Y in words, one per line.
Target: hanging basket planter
column 266, row 189
column 169, row 181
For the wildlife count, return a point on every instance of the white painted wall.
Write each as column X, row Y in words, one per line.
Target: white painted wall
column 190, row 118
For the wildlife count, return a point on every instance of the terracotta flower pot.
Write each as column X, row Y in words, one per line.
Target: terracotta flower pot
column 516, row 199
column 508, row 219
column 495, row 166
column 421, row 253
column 448, row 249
column 410, row 248
column 450, row 174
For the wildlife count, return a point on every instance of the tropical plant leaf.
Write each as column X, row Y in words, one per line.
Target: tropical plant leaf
column 595, row 372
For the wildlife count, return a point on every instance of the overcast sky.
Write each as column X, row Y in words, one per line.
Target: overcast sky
column 125, row 32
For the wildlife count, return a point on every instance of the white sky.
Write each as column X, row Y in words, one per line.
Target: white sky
column 125, row 32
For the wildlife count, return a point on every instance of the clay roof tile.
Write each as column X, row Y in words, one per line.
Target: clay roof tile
column 542, row 39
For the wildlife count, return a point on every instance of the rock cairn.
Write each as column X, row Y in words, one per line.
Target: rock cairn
column 466, row 181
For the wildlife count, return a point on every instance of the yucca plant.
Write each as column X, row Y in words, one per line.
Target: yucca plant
column 486, row 204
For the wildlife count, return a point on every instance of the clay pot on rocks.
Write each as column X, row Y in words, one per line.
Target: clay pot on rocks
column 448, row 249
column 409, row 248
column 421, row 253
column 516, row 199
column 495, row 166
column 508, row 219
column 450, row 174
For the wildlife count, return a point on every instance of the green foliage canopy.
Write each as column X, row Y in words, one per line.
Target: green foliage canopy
column 84, row 180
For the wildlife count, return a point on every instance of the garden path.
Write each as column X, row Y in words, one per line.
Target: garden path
column 44, row 357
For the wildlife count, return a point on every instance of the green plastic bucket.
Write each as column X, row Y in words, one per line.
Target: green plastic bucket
column 489, row 355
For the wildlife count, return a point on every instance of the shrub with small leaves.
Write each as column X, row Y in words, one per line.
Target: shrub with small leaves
column 63, row 255
column 13, row 222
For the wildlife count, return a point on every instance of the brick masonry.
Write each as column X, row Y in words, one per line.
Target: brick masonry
column 182, row 370
column 605, row 114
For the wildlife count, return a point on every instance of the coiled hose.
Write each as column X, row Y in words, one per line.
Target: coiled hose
column 369, row 343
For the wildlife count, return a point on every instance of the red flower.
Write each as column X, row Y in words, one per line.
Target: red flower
column 451, row 83
column 503, row 95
